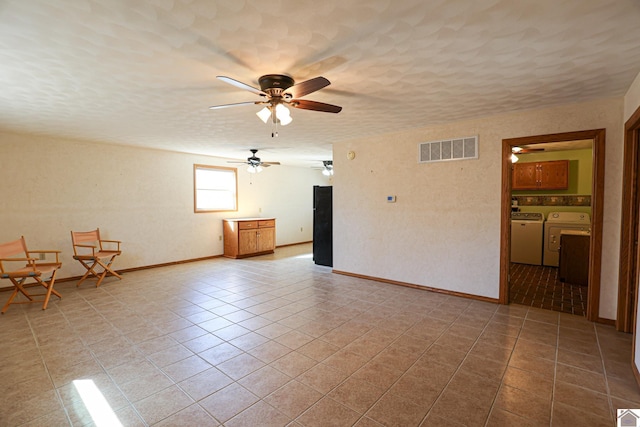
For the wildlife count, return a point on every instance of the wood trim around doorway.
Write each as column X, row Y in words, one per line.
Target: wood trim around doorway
column 597, row 199
column 628, row 272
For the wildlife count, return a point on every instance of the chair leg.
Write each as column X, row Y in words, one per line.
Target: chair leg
column 50, row 289
column 107, row 270
column 17, row 288
column 10, row 300
column 90, row 271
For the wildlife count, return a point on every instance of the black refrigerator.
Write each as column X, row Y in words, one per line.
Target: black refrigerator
column 323, row 225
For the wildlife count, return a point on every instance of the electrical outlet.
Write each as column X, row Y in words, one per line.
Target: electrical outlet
column 300, row 229
column 220, row 237
column 43, row 256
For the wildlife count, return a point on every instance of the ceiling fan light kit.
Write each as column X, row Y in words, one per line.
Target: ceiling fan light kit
column 279, row 91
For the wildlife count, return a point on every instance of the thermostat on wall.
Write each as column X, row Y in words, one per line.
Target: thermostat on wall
column 391, row 199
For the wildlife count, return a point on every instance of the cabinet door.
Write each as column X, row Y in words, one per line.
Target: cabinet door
column 247, row 241
column 524, row 176
column 554, row 175
column 266, row 239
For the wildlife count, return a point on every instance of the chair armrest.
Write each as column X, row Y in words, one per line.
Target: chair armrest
column 16, row 259
column 110, row 241
column 46, row 251
column 92, row 247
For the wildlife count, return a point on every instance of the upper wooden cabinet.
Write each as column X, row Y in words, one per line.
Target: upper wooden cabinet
column 552, row 175
column 245, row 237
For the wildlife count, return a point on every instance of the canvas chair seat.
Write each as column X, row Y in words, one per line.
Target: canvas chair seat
column 95, row 253
column 14, row 253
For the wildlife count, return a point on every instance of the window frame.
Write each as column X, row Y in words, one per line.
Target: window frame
column 195, row 187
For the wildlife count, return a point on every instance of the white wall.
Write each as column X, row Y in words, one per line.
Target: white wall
column 143, row 197
column 444, row 229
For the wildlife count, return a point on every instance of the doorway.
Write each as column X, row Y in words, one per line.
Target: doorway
column 597, row 197
column 629, row 270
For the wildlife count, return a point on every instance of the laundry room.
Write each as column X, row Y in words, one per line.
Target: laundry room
column 551, row 225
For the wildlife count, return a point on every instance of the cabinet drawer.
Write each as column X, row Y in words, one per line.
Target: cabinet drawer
column 244, row 225
column 267, row 223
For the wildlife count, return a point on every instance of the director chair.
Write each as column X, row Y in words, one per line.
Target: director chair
column 12, row 256
column 94, row 252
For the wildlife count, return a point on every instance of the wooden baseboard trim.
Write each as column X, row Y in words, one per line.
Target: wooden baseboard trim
column 165, row 264
column 606, row 321
column 294, row 244
column 147, row 267
column 421, row 287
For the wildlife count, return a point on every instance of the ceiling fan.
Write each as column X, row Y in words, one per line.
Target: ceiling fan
column 279, row 91
column 254, row 162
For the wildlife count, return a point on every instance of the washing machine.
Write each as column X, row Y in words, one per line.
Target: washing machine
column 555, row 223
column 526, row 237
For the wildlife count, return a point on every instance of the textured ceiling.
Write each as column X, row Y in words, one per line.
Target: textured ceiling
column 143, row 72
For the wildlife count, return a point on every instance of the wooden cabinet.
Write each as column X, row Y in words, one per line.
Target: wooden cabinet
column 553, row 175
column 244, row 237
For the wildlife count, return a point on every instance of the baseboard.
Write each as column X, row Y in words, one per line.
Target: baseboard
column 421, row 287
column 606, row 321
column 165, row 264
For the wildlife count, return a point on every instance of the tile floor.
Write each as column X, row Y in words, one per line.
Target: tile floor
column 276, row 341
column 539, row 286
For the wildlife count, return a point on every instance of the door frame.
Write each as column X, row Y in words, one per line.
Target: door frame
column 628, row 273
column 597, row 198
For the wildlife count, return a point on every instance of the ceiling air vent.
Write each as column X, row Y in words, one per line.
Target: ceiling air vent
column 449, row 149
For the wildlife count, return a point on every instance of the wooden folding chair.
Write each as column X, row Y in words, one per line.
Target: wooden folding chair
column 12, row 256
column 89, row 250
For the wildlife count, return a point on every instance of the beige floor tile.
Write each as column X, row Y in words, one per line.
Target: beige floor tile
column 240, row 366
column 582, row 399
column 567, row 416
column 417, row 390
column 484, row 367
column 356, row 394
column 328, row 413
column 338, row 335
column 264, row 381
column 192, row 415
column 205, row 383
column 259, row 414
column 186, row 368
column 346, row 361
column 479, row 388
column 525, row 404
column 220, row 353
column 294, row 363
column 393, row 410
column 322, row 378
column 163, row 404
column 580, row 377
column 293, row 398
column 528, row 381
column 318, row 350
column 502, row 418
column 228, row 402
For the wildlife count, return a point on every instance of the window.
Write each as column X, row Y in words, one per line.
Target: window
column 215, row 188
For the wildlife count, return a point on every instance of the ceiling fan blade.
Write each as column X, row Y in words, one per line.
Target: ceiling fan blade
column 241, row 85
column 269, row 163
column 229, row 161
column 315, row 106
column 307, row 87
column 216, row 107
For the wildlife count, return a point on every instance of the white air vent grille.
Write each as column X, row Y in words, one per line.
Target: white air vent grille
column 450, row 149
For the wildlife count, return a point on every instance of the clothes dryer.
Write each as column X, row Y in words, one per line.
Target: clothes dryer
column 556, row 222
